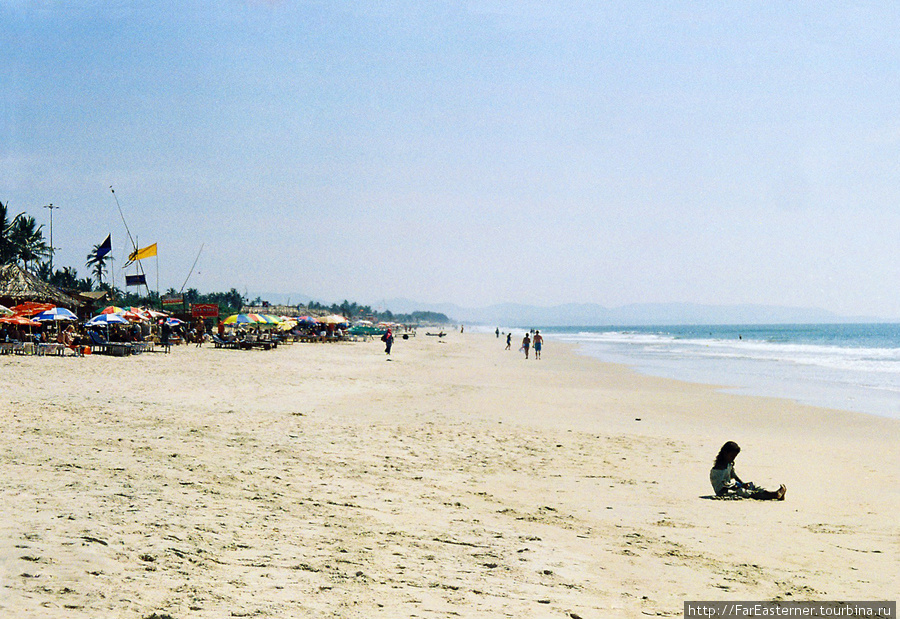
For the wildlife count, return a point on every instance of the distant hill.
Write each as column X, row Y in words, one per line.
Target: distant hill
column 592, row 314
column 588, row 314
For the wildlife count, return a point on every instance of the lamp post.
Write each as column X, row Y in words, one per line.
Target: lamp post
column 52, row 208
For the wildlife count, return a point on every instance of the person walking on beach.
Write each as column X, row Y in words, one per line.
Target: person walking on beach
column 526, row 344
column 726, row 483
column 538, row 342
column 497, row 332
column 508, row 340
column 388, row 339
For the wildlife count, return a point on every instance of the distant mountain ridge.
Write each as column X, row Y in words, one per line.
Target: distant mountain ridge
column 590, row 314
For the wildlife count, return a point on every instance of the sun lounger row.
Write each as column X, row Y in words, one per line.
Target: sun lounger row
column 30, row 348
column 245, row 344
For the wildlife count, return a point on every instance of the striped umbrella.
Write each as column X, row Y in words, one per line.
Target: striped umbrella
column 244, row 319
column 57, row 313
column 113, row 309
column 102, row 320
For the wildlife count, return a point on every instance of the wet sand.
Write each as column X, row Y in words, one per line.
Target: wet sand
column 455, row 480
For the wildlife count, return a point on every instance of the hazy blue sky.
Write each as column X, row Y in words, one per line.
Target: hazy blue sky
column 470, row 152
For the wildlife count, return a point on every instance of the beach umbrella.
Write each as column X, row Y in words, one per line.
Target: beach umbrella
column 16, row 319
column 113, row 309
column 333, row 319
column 145, row 313
column 5, row 311
column 57, row 313
column 132, row 316
column 243, row 319
column 102, row 320
column 174, row 322
column 30, row 308
column 306, row 321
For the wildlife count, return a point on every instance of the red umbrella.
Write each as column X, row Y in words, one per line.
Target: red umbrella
column 31, row 308
column 19, row 320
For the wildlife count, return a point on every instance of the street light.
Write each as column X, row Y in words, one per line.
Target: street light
column 51, row 207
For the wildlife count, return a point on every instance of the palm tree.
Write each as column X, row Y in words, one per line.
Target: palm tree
column 97, row 263
column 43, row 271
column 27, row 239
column 7, row 254
column 65, row 278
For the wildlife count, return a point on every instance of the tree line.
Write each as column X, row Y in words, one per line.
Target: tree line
column 22, row 242
column 355, row 311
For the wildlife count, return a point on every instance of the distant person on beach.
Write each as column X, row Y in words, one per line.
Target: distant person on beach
column 165, row 331
column 538, row 342
column 497, row 333
column 388, row 339
column 462, row 328
column 726, row 483
column 526, row 344
column 508, row 340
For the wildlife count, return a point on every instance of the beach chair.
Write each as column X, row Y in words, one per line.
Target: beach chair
column 50, row 348
column 218, row 342
column 99, row 344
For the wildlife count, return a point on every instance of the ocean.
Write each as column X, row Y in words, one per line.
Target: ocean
column 853, row 367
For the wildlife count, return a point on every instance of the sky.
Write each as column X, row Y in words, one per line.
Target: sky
column 470, row 152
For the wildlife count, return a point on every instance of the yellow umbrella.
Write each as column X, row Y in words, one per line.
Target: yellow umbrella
column 334, row 319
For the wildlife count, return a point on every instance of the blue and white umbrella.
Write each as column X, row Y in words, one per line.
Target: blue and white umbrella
column 103, row 320
column 57, row 313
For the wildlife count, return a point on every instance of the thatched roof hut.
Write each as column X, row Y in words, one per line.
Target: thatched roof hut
column 18, row 285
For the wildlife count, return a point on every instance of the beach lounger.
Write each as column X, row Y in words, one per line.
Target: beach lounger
column 9, row 348
column 220, row 343
column 100, row 345
column 50, row 348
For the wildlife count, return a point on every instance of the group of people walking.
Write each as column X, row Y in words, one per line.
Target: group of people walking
column 528, row 342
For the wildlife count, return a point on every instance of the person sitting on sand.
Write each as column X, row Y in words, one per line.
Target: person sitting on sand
column 726, row 483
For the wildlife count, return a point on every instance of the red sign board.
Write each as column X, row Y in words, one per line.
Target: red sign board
column 205, row 310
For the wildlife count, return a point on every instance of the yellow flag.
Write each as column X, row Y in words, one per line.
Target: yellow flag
column 146, row 252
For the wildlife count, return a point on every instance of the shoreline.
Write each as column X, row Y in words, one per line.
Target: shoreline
column 456, row 479
column 719, row 362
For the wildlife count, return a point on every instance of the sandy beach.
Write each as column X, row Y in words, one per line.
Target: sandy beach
column 455, row 480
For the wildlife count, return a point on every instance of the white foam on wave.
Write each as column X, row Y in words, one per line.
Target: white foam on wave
column 866, row 379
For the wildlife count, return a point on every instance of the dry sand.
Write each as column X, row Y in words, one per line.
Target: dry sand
column 456, row 479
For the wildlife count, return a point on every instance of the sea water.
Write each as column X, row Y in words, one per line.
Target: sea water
column 853, row 367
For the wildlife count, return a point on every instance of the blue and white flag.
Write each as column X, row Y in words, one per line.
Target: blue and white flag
column 105, row 247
